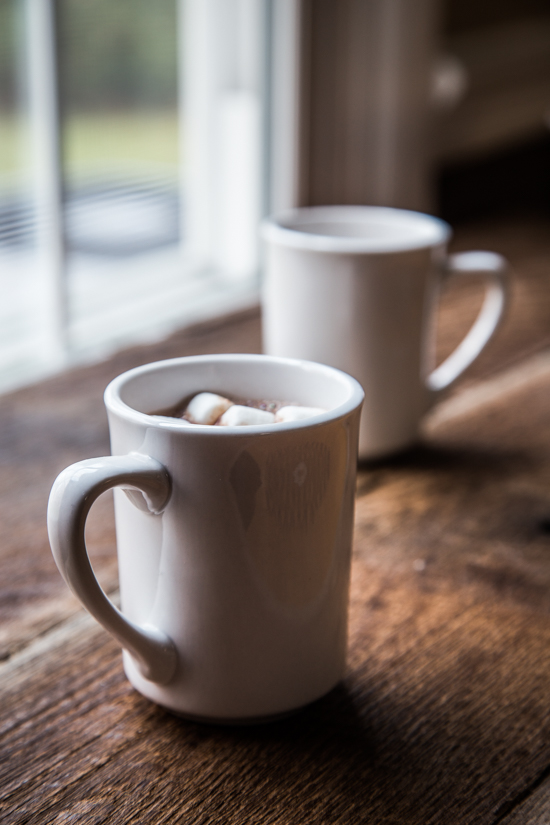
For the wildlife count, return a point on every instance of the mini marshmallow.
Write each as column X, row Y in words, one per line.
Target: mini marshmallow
column 292, row 413
column 237, row 416
column 206, row 408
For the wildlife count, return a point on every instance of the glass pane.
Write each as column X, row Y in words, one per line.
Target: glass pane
column 131, row 158
column 118, row 80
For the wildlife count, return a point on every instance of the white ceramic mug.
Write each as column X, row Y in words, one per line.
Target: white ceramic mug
column 355, row 287
column 233, row 542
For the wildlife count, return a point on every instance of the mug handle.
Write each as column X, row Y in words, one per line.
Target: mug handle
column 494, row 269
column 74, row 491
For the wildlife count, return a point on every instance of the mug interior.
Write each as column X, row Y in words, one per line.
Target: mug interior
column 360, row 229
column 162, row 385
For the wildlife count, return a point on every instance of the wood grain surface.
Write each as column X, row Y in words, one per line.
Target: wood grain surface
column 444, row 716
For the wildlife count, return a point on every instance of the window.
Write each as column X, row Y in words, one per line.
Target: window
column 134, row 169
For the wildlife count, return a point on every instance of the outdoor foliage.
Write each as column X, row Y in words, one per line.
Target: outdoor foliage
column 112, row 53
column 117, row 53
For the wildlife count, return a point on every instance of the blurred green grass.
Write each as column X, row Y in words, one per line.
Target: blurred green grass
column 146, row 139
column 98, row 139
column 12, row 143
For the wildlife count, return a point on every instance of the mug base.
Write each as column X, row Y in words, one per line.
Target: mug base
column 172, row 703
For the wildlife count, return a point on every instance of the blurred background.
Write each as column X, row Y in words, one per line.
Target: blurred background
column 141, row 143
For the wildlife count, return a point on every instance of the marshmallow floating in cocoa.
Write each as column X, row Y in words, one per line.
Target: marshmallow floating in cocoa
column 239, row 416
column 213, row 409
column 295, row 413
column 206, row 408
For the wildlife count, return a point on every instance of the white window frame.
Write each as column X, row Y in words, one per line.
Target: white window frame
column 231, row 108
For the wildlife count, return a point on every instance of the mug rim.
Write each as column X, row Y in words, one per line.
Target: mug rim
column 116, row 405
column 285, row 229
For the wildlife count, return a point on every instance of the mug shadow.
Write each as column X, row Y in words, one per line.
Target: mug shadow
column 330, row 737
column 342, row 759
column 426, row 456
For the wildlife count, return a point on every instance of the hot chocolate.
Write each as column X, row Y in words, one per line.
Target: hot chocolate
column 218, row 411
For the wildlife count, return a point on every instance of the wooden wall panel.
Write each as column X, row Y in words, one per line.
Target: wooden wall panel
column 366, row 122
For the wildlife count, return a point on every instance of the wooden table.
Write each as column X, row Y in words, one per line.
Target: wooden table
column 444, row 716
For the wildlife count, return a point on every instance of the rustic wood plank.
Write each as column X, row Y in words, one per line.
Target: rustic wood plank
column 444, row 714
column 403, row 741
column 46, row 427
column 531, row 807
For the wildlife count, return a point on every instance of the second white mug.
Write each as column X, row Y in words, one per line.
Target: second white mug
column 355, row 287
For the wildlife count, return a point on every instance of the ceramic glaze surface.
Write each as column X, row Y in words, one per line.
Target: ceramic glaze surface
column 245, row 571
column 356, row 287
